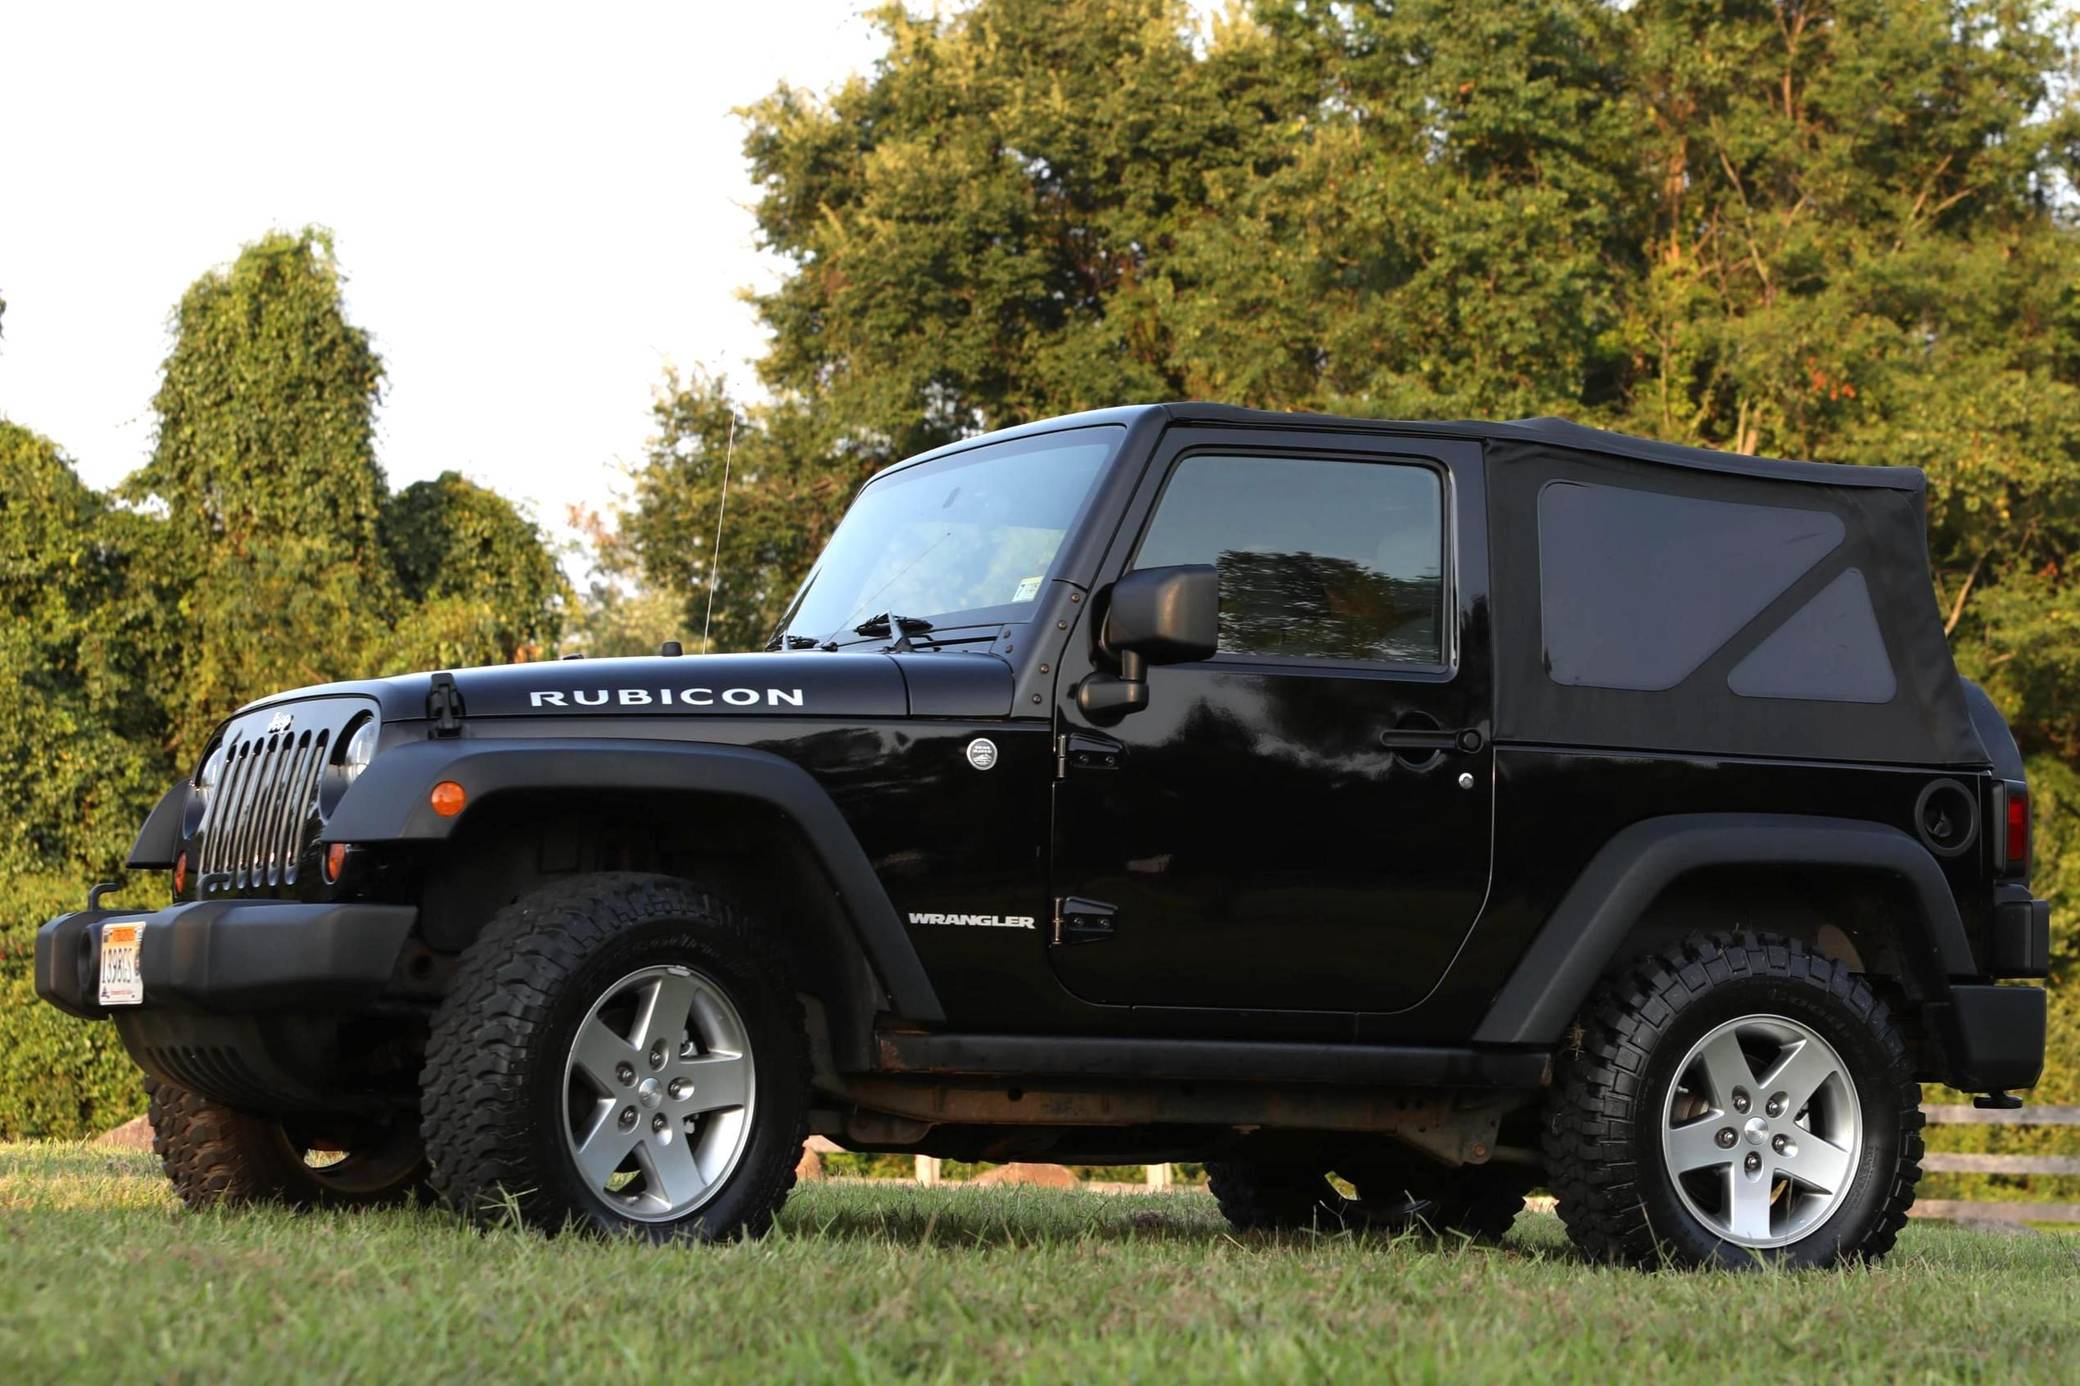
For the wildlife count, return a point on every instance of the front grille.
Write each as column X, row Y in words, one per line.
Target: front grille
column 266, row 796
column 262, row 816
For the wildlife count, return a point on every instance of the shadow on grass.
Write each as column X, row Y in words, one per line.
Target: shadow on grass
column 905, row 1215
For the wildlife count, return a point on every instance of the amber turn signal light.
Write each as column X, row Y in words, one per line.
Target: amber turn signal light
column 447, row 798
column 180, row 874
column 335, row 862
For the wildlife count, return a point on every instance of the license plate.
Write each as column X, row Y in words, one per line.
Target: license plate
column 122, row 953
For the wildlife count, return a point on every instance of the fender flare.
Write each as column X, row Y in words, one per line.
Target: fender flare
column 1574, row 947
column 389, row 803
column 159, row 840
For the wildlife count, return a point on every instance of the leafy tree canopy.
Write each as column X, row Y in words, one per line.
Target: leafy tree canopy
column 452, row 541
column 790, row 473
column 265, row 466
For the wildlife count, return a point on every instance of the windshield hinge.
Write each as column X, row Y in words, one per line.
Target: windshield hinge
column 444, row 705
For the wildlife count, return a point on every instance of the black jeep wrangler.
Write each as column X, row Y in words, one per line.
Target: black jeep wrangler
column 1395, row 816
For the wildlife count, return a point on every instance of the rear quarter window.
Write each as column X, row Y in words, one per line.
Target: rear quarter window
column 1637, row 588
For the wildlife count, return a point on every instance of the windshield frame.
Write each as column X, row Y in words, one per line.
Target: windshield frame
column 956, row 625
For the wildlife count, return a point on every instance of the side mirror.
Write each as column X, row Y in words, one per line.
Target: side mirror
column 1156, row 616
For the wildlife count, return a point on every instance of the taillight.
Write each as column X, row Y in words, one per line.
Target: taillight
column 2015, row 843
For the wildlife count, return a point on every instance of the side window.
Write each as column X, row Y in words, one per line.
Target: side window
column 1637, row 589
column 1318, row 559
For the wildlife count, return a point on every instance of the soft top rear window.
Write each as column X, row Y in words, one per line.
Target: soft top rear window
column 1638, row 588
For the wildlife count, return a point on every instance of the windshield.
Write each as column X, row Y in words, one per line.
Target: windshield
column 964, row 540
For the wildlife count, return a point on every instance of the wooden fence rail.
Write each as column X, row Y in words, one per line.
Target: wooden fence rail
column 1945, row 1162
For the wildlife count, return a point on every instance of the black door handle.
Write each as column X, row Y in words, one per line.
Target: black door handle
column 1432, row 739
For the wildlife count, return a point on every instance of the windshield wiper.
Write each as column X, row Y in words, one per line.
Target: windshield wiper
column 790, row 641
column 888, row 623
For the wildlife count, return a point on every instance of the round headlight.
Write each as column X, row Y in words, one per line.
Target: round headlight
column 212, row 768
column 361, row 749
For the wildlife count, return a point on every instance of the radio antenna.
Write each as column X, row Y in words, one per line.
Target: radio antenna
column 729, row 451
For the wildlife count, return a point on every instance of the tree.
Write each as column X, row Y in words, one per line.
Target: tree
column 82, row 738
column 791, row 472
column 265, row 466
column 963, row 224
column 476, row 566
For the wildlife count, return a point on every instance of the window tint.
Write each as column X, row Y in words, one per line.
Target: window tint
column 1637, row 588
column 1330, row 560
column 1830, row 651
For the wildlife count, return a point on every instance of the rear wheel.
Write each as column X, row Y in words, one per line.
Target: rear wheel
column 215, row 1155
column 1743, row 1100
column 620, row 1052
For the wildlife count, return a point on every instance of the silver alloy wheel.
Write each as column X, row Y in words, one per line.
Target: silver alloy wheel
column 659, row 1093
column 1762, row 1131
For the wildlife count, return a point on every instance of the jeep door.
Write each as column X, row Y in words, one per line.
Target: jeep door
column 1301, row 822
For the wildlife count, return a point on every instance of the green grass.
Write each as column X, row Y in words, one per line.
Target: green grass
column 102, row 1277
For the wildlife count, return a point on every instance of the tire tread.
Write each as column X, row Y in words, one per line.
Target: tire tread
column 1591, row 1112
column 478, row 1125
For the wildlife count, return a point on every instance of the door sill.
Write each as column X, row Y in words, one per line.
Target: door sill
column 1243, row 1061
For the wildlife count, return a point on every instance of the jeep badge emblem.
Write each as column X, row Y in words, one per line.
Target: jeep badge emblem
column 982, row 753
column 279, row 722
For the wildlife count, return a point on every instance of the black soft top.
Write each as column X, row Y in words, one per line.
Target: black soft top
column 1560, row 433
column 1656, row 597
column 1550, row 431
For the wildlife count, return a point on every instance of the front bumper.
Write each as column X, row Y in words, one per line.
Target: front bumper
column 232, row 956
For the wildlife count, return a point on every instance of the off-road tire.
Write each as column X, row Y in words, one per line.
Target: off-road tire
column 215, row 1155
column 1276, row 1198
column 493, row 1088
column 1477, row 1201
column 1602, row 1138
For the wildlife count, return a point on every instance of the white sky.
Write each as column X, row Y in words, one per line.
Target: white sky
column 536, row 208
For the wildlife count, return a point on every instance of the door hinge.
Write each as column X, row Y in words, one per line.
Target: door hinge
column 1085, row 751
column 1082, row 921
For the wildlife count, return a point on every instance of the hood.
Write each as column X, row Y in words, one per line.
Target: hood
column 809, row 683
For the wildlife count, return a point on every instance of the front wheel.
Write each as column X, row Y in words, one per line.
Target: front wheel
column 619, row 1053
column 1744, row 1100
column 214, row 1154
